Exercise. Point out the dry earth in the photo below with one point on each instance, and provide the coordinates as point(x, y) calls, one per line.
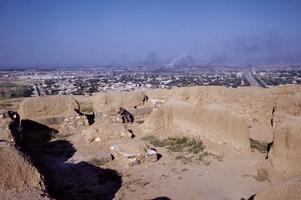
point(210, 143)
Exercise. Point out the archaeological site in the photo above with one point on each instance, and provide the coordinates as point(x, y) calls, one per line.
point(182, 143)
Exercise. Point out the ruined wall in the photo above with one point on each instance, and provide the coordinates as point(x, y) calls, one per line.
point(159, 119)
point(212, 122)
point(48, 110)
point(110, 102)
point(286, 152)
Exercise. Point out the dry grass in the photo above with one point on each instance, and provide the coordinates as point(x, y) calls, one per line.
point(188, 150)
point(177, 144)
point(86, 107)
point(262, 174)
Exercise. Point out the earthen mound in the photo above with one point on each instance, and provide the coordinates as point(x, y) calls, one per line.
point(16, 172)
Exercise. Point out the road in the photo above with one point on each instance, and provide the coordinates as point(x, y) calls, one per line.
point(38, 91)
point(251, 79)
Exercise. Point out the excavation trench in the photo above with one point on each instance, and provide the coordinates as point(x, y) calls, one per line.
point(65, 180)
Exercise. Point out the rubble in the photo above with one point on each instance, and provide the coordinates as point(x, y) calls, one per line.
point(74, 121)
point(134, 153)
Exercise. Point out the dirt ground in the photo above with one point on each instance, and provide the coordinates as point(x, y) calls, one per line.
point(217, 171)
point(74, 177)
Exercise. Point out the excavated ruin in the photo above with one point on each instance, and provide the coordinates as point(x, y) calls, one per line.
point(212, 122)
point(48, 110)
point(286, 152)
point(49, 149)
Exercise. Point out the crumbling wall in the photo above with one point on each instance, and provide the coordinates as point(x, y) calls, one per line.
point(286, 152)
point(48, 110)
point(110, 102)
point(212, 122)
point(160, 119)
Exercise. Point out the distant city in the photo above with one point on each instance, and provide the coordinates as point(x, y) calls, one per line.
point(89, 80)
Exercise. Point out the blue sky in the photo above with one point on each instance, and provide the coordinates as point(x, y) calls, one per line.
point(99, 32)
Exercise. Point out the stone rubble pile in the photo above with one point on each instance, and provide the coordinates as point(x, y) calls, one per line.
point(74, 121)
point(134, 153)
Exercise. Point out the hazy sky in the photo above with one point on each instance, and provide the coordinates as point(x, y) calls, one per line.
point(60, 32)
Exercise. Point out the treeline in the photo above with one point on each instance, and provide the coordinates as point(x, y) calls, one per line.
point(13, 90)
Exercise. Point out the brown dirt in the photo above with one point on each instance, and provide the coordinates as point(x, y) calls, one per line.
point(223, 118)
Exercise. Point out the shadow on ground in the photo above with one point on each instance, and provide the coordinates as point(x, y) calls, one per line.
point(67, 180)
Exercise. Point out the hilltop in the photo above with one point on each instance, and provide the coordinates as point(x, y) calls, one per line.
point(182, 143)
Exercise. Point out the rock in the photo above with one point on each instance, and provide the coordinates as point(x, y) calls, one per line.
point(74, 121)
point(132, 162)
point(151, 155)
point(134, 153)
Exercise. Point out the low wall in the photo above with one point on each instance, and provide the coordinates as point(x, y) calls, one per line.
point(212, 122)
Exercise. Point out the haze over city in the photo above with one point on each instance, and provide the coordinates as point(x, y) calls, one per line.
point(74, 33)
